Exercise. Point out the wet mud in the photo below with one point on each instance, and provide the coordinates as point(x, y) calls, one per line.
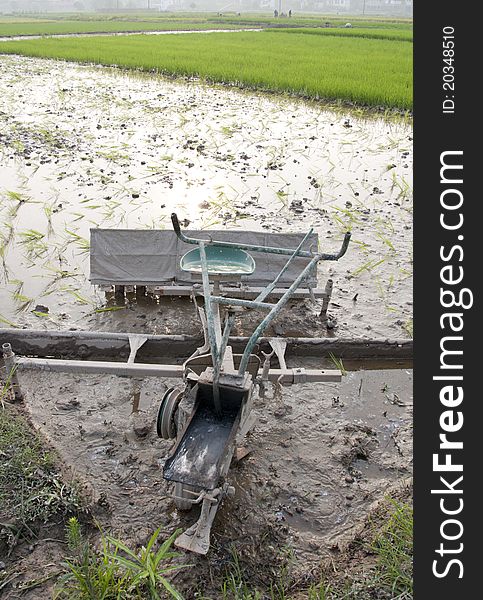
point(309, 472)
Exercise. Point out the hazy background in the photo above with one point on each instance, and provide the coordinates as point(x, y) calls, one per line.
point(356, 7)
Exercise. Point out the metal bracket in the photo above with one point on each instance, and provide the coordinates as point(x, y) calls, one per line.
point(136, 340)
point(299, 375)
point(197, 537)
point(279, 346)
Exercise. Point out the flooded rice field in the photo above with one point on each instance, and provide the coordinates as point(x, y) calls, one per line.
point(84, 147)
point(122, 33)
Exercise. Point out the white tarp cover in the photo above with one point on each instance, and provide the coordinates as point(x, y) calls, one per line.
point(151, 257)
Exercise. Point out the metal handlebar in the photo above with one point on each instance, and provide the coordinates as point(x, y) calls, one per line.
point(314, 259)
point(253, 248)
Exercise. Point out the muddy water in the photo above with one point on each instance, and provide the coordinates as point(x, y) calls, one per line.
point(313, 470)
point(121, 33)
point(83, 147)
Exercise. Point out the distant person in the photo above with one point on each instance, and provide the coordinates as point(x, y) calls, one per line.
point(290, 13)
point(275, 13)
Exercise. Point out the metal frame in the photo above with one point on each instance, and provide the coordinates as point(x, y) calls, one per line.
point(214, 335)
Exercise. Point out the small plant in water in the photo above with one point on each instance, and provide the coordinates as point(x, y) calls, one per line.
point(338, 363)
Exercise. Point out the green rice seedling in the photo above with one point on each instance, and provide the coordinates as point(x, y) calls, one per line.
point(19, 199)
point(360, 32)
point(380, 288)
point(23, 301)
point(8, 322)
point(3, 256)
point(49, 212)
point(79, 298)
point(109, 309)
point(16, 196)
point(386, 241)
point(33, 241)
point(101, 26)
point(18, 283)
point(338, 363)
point(30, 236)
point(82, 243)
point(368, 266)
point(113, 155)
point(402, 185)
point(39, 313)
point(59, 274)
point(409, 328)
point(363, 246)
point(283, 197)
point(406, 273)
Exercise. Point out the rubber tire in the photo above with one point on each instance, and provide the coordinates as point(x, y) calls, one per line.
point(161, 431)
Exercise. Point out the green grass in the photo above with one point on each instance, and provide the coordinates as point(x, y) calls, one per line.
point(114, 571)
point(31, 489)
point(393, 547)
point(353, 70)
point(382, 559)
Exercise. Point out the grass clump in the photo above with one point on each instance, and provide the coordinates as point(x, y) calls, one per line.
point(31, 488)
point(383, 556)
point(393, 547)
point(376, 565)
point(115, 571)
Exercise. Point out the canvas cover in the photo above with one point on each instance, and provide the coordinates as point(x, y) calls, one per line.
point(152, 257)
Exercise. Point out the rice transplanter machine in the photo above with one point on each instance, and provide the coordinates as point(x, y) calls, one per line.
point(210, 414)
point(213, 410)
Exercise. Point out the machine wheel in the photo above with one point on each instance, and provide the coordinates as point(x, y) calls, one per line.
point(182, 493)
point(165, 423)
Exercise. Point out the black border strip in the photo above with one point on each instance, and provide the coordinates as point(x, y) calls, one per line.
point(436, 132)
